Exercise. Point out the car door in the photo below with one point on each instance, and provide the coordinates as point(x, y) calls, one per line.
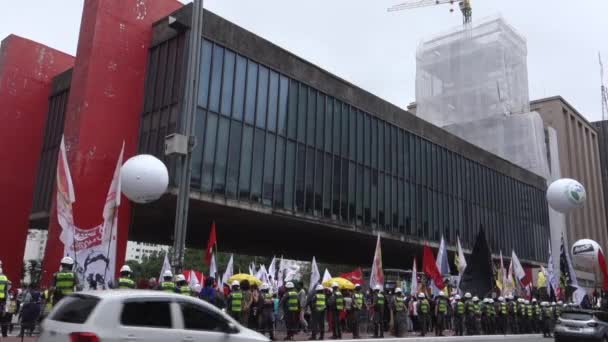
point(202, 324)
point(147, 319)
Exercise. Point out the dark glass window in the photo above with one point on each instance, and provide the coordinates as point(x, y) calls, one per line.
point(327, 172)
point(292, 120)
point(366, 139)
point(216, 78)
point(336, 127)
point(359, 194)
point(197, 153)
point(374, 196)
point(336, 191)
point(310, 172)
point(381, 206)
point(374, 144)
point(359, 137)
point(320, 120)
point(318, 179)
point(205, 73)
point(245, 169)
point(283, 92)
point(75, 309)
point(387, 148)
point(273, 97)
point(219, 174)
point(344, 194)
point(344, 123)
point(234, 156)
point(262, 101)
point(300, 177)
point(151, 314)
point(227, 82)
point(252, 82)
point(310, 117)
point(352, 131)
point(258, 165)
point(198, 318)
point(302, 97)
point(268, 169)
point(239, 87)
point(394, 202)
point(394, 147)
point(290, 164)
point(279, 183)
point(367, 212)
point(351, 192)
point(209, 154)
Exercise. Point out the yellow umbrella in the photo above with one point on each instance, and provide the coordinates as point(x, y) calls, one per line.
point(244, 276)
point(344, 284)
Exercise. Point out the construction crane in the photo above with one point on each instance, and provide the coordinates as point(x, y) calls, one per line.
point(465, 7)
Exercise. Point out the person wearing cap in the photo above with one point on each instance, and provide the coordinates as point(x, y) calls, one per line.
point(318, 306)
point(335, 305)
point(235, 302)
point(459, 312)
point(125, 281)
point(167, 284)
point(358, 301)
point(424, 312)
point(65, 281)
point(399, 310)
point(291, 308)
point(266, 317)
point(441, 312)
point(378, 302)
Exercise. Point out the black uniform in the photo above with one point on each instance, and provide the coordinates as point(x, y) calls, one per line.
point(266, 325)
point(459, 320)
point(399, 314)
point(318, 306)
point(378, 304)
point(357, 308)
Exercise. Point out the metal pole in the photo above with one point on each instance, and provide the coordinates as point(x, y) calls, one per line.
point(187, 129)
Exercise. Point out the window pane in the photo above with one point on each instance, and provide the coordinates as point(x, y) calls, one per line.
point(273, 97)
point(344, 195)
point(380, 200)
point(374, 197)
point(336, 189)
point(245, 168)
point(239, 88)
point(352, 131)
point(290, 164)
point(227, 82)
point(337, 116)
point(262, 101)
point(234, 156)
point(300, 177)
point(344, 139)
point(367, 139)
point(400, 153)
point(197, 153)
point(310, 118)
point(374, 136)
point(198, 318)
point(327, 172)
point(302, 97)
point(318, 179)
point(258, 165)
point(381, 148)
point(268, 169)
point(395, 203)
point(146, 314)
point(252, 82)
point(320, 119)
point(359, 137)
point(367, 212)
point(310, 169)
point(279, 183)
point(75, 309)
point(351, 192)
point(205, 73)
point(328, 122)
point(359, 194)
point(292, 117)
point(283, 91)
point(394, 147)
point(219, 178)
point(216, 78)
point(209, 154)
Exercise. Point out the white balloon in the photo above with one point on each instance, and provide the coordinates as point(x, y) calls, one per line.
point(144, 178)
point(585, 256)
point(566, 194)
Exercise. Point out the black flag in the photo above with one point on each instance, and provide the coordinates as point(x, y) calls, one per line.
point(567, 279)
point(478, 277)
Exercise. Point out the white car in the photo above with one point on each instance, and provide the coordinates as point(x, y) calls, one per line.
point(139, 315)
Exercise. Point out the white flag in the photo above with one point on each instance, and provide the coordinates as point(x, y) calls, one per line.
point(272, 270)
point(314, 274)
point(461, 261)
point(193, 281)
point(263, 274)
point(377, 275)
point(518, 270)
point(326, 276)
point(281, 273)
point(213, 266)
point(414, 286)
point(166, 267)
point(442, 259)
point(64, 199)
point(251, 269)
point(229, 271)
point(551, 277)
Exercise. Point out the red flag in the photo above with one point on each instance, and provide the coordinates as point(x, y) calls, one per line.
point(429, 267)
point(210, 244)
point(602, 262)
point(355, 277)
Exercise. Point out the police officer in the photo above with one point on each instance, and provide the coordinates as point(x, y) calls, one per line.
point(291, 308)
point(529, 317)
point(181, 285)
point(547, 318)
point(477, 317)
point(336, 306)
point(167, 284)
point(459, 312)
point(441, 312)
point(537, 316)
point(358, 302)
point(318, 306)
point(266, 325)
point(469, 311)
point(512, 318)
point(399, 312)
point(378, 302)
point(125, 281)
point(424, 311)
point(64, 281)
point(235, 302)
point(4, 316)
point(491, 311)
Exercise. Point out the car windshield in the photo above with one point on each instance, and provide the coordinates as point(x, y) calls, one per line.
point(576, 316)
point(75, 309)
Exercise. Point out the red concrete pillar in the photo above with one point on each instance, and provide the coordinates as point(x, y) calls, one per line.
point(26, 72)
point(104, 107)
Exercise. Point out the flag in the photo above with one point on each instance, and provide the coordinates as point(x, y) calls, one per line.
point(510, 282)
point(461, 262)
point(272, 269)
point(478, 277)
point(377, 275)
point(166, 267)
point(326, 276)
point(414, 286)
point(518, 270)
point(500, 276)
point(64, 199)
point(429, 267)
point(229, 271)
point(314, 274)
point(213, 267)
point(552, 278)
point(442, 259)
point(281, 273)
point(262, 274)
point(251, 269)
point(602, 264)
point(355, 277)
point(568, 280)
point(193, 280)
point(212, 242)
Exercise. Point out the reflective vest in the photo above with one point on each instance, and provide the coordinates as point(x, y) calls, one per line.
point(459, 308)
point(529, 310)
point(167, 286)
point(268, 301)
point(237, 301)
point(126, 283)
point(477, 309)
point(470, 307)
point(537, 311)
point(399, 303)
point(504, 309)
point(339, 301)
point(292, 301)
point(3, 286)
point(424, 306)
point(379, 299)
point(358, 302)
point(490, 311)
point(320, 302)
point(185, 290)
point(547, 312)
point(522, 309)
point(64, 282)
point(442, 306)
point(558, 311)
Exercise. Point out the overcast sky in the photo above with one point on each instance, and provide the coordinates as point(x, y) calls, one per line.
point(359, 41)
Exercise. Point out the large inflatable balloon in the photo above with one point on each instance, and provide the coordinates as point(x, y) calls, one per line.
point(144, 178)
point(585, 256)
point(566, 194)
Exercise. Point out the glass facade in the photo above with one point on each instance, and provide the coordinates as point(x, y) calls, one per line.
point(273, 140)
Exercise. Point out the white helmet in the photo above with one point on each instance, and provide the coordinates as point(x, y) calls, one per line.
point(398, 290)
point(457, 297)
point(485, 300)
point(527, 302)
point(319, 288)
point(501, 299)
point(377, 288)
point(559, 302)
point(235, 283)
point(67, 261)
point(510, 297)
point(553, 303)
point(467, 295)
point(421, 295)
point(533, 300)
point(180, 277)
point(490, 300)
point(168, 274)
point(544, 304)
point(125, 268)
point(476, 299)
point(197, 288)
point(357, 286)
point(264, 287)
point(289, 285)
point(334, 285)
point(441, 294)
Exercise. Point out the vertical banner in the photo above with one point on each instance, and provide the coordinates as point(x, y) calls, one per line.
point(377, 276)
